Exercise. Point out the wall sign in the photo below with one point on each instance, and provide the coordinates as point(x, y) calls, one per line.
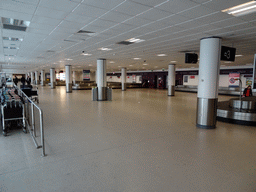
point(228, 53)
point(86, 75)
point(234, 79)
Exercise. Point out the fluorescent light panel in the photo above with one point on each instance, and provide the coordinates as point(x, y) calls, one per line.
point(105, 49)
point(242, 9)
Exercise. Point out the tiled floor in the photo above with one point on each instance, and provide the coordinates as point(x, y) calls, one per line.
point(142, 141)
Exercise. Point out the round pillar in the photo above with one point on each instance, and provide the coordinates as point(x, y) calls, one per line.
point(36, 77)
point(68, 69)
point(42, 78)
point(123, 76)
point(171, 80)
point(207, 96)
point(32, 77)
point(53, 78)
point(101, 79)
point(74, 77)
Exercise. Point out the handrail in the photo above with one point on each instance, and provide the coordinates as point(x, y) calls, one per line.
point(33, 121)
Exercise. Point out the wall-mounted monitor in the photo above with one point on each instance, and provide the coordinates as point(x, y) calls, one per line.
point(191, 58)
point(228, 53)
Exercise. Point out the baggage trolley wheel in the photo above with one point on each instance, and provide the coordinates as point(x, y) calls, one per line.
point(24, 130)
point(4, 133)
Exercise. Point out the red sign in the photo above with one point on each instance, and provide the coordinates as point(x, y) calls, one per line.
point(192, 77)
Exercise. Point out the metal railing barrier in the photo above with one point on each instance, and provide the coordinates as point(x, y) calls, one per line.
point(31, 127)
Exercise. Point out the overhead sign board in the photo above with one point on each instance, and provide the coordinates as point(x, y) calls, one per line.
point(228, 53)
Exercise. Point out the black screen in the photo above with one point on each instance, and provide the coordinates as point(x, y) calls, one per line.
point(191, 58)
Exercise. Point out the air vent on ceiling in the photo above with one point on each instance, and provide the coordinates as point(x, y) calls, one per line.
point(12, 39)
point(83, 31)
point(15, 24)
point(125, 43)
point(87, 33)
point(11, 48)
point(69, 40)
point(130, 41)
point(50, 51)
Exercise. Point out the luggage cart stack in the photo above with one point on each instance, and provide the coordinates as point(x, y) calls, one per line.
point(12, 110)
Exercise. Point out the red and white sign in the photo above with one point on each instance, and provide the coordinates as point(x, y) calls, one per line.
point(234, 79)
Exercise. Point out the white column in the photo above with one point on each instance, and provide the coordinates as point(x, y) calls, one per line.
point(207, 96)
point(74, 77)
point(53, 78)
point(36, 77)
point(101, 79)
point(32, 77)
point(68, 69)
point(171, 80)
point(123, 76)
point(42, 77)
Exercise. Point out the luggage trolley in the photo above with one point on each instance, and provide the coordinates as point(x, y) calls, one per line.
point(12, 110)
point(31, 93)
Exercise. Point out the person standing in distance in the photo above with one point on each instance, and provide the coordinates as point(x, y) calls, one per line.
point(247, 91)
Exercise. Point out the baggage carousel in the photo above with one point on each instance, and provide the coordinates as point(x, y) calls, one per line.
point(238, 111)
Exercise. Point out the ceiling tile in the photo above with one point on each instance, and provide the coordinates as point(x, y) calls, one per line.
point(60, 5)
point(90, 11)
point(155, 14)
point(176, 6)
point(39, 31)
point(131, 8)
point(74, 25)
point(103, 23)
point(137, 21)
point(32, 2)
point(115, 16)
point(41, 26)
point(216, 17)
point(197, 11)
point(104, 4)
point(123, 28)
point(19, 7)
point(249, 17)
point(79, 19)
point(50, 13)
point(45, 20)
point(13, 33)
point(220, 4)
point(15, 15)
point(228, 22)
point(150, 3)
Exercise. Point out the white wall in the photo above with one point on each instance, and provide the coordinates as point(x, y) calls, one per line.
point(129, 79)
point(223, 80)
point(191, 81)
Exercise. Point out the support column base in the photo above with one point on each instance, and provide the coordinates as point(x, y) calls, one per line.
point(206, 113)
point(171, 90)
point(69, 88)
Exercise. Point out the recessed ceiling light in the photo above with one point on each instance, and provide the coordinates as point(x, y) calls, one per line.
point(134, 40)
point(130, 65)
point(161, 55)
point(90, 64)
point(239, 55)
point(105, 49)
point(111, 62)
point(136, 58)
point(86, 54)
point(242, 9)
point(173, 61)
point(69, 59)
point(145, 64)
